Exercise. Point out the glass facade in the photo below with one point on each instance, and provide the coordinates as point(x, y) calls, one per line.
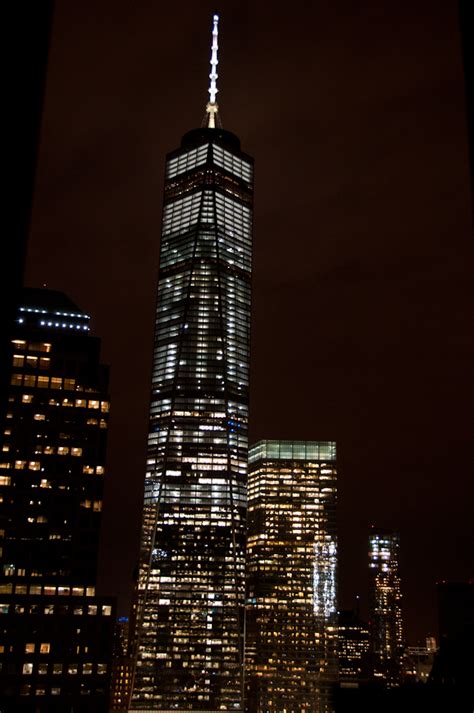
point(190, 601)
point(385, 614)
point(291, 577)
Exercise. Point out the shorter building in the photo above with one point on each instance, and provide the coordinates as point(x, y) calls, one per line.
point(385, 613)
point(56, 651)
point(353, 648)
point(291, 657)
point(122, 667)
point(418, 662)
point(454, 661)
point(55, 632)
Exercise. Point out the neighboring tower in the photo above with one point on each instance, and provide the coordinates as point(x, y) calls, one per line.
point(353, 649)
point(385, 614)
point(291, 574)
point(190, 607)
point(55, 633)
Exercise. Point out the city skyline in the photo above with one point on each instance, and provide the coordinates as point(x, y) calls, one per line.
point(352, 316)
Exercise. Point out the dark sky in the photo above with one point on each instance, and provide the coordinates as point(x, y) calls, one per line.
point(363, 292)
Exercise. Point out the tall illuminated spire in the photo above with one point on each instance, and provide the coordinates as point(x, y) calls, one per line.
point(212, 106)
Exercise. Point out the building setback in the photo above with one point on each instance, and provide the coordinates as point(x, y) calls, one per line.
point(291, 574)
point(385, 612)
point(55, 633)
point(191, 591)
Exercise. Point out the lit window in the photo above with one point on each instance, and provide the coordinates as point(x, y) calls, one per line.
point(56, 382)
point(97, 507)
point(5, 480)
point(105, 406)
point(27, 398)
point(57, 668)
point(34, 465)
point(73, 668)
point(18, 360)
point(39, 417)
point(43, 382)
point(63, 450)
point(100, 470)
point(45, 648)
point(76, 451)
point(92, 609)
point(94, 404)
point(19, 464)
point(88, 469)
point(27, 668)
point(29, 648)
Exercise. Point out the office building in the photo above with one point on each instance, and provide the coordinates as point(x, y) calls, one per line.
point(55, 633)
point(190, 604)
point(122, 667)
point(385, 612)
point(353, 648)
point(291, 644)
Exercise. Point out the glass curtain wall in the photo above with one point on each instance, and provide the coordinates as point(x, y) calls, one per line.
point(190, 604)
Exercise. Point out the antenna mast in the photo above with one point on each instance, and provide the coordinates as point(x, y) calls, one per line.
point(212, 107)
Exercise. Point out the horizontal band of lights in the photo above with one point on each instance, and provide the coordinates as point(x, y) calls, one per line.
point(293, 450)
point(59, 314)
point(213, 156)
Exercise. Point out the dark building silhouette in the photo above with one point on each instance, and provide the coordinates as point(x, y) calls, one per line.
point(291, 645)
point(28, 29)
point(55, 633)
point(352, 648)
point(385, 613)
point(466, 26)
point(191, 587)
point(454, 662)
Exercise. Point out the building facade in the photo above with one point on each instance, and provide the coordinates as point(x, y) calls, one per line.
point(353, 648)
point(385, 611)
point(55, 633)
point(191, 592)
point(291, 645)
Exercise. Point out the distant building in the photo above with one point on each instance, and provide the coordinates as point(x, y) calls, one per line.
point(55, 633)
point(291, 569)
point(122, 667)
point(418, 661)
point(353, 648)
point(385, 613)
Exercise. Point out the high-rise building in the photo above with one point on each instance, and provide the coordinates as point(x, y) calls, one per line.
point(55, 633)
point(291, 574)
point(385, 612)
point(191, 585)
point(122, 667)
point(353, 648)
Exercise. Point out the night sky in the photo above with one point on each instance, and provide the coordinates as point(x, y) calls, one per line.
point(363, 248)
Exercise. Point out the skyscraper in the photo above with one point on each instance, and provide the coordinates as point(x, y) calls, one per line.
point(190, 603)
point(353, 648)
point(291, 570)
point(55, 633)
point(385, 613)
